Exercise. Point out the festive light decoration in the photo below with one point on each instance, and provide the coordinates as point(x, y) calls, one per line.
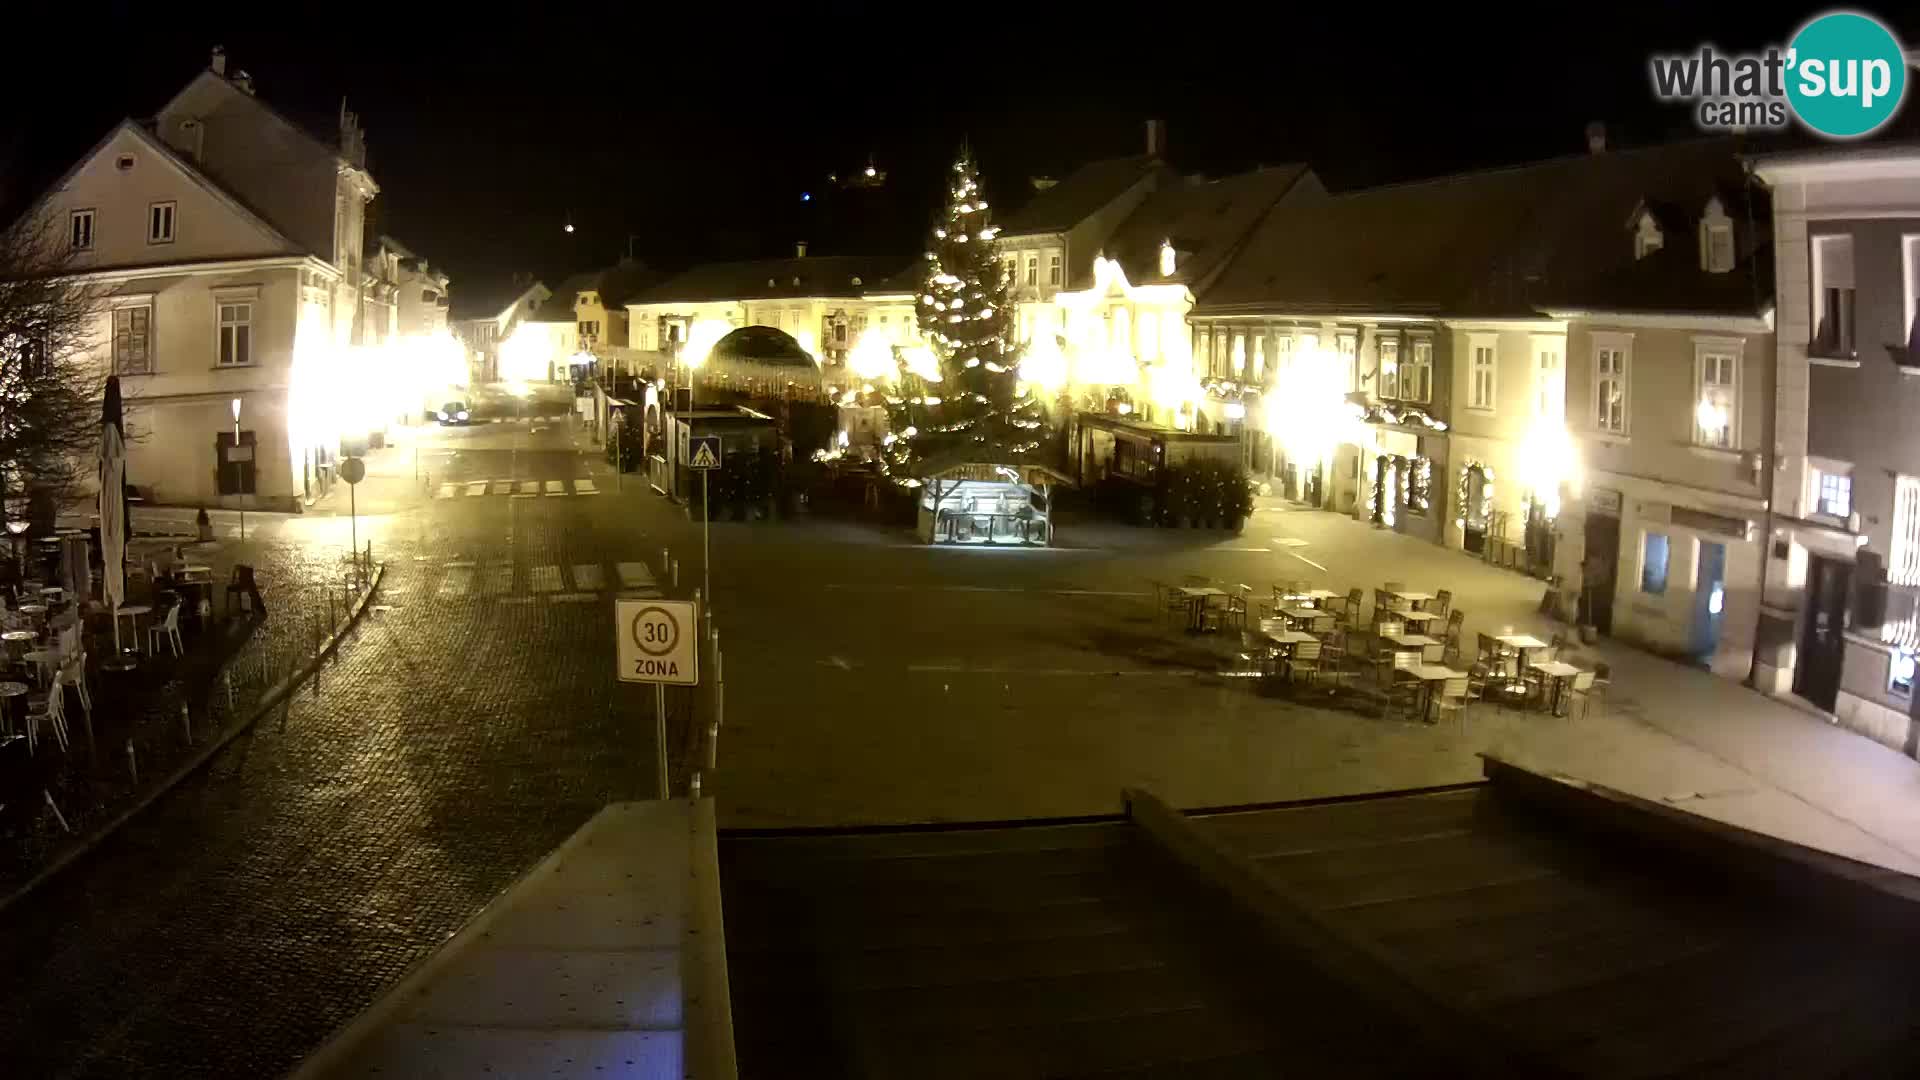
point(965, 317)
point(1547, 460)
point(1463, 493)
point(872, 357)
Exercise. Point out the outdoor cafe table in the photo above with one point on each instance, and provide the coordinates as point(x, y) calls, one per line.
point(1415, 598)
point(1521, 644)
point(9, 691)
point(1431, 676)
point(1197, 597)
point(1420, 617)
point(1412, 642)
point(1303, 614)
point(1558, 671)
point(1317, 595)
point(1287, 639)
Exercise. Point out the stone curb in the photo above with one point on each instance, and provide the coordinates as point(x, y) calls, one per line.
point(270, 698)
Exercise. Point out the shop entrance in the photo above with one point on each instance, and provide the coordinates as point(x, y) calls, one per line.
point(1816, 676)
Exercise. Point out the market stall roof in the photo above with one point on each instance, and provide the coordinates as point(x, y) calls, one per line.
point(962, 465)
point(1145, 429)
point(761, 352)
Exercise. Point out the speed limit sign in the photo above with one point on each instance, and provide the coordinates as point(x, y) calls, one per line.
point(655, 642)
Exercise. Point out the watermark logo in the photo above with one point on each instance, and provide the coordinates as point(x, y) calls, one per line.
point(1843, 75)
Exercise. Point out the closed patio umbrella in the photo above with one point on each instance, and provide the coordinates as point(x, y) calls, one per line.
point(113, 507)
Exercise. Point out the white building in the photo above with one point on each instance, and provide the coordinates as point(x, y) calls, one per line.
point(228, 241)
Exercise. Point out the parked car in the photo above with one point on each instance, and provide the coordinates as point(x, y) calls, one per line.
point(454, 412)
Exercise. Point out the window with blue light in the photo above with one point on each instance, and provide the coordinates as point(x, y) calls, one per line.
point(1900, 673)
point(1653, 564)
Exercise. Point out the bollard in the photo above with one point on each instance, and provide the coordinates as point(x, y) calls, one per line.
point(133, 763)
point(676, 573)
point(227, 678)
point(329, 607)
point(186, 722)
point(693, 787)
point(713, 744)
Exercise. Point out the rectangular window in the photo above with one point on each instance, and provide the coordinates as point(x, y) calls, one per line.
point(1719, 248)
point(1900, 673)
point(1910, 259)
point(1481, 392)
point(1282, 356)
point(1833, 493)
point(1833, 296)
point(1239, 355)
point(1347, 348)
point(236, 335)
point(80, 230)
point(1416, 374)
point(1010, 266)
point(1260, 356)
point(1033, 269)
point(1387, 366)
point(1549, 382)
point(133, 340)
point(1053, 268)
point(1716, 405)
point(160, 223)
point(1610, 386)
point(1903, 563)
point(1653, 564)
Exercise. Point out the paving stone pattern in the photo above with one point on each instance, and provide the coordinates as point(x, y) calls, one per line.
point(231, 927)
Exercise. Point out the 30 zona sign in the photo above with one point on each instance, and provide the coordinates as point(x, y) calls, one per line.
point(654, 641)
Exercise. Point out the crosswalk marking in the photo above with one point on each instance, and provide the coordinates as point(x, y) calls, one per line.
point(584, 486)
point(476, 487)
point(634, 575)
point(458, 581)
point(499, 580)
point(543, 578)
point(446, 491)
point(554, 487)
point(529, 487)
point(587, 576)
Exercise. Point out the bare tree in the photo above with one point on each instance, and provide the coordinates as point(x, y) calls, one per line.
point(50, 382)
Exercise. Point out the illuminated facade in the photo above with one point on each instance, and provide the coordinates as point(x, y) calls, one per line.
point(1841, 623)
point(229, 242)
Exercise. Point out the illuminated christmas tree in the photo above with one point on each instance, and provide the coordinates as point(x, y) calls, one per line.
point(974, 404)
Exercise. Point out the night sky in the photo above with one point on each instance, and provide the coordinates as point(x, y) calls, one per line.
point(696, 138)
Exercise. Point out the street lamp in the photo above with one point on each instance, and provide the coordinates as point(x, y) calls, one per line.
point(234, 455)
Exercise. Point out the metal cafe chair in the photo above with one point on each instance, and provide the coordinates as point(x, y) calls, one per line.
point(1582, 688)
point(1452, 698)
point(1304, 658)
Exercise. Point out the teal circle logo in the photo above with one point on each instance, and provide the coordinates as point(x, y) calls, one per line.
point(1846, 74)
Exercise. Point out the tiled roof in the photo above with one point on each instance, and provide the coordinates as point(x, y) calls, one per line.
point(1204, 220)
point(1083, 192)
point(756, 279)
point(1509, 242)
point(617, 285)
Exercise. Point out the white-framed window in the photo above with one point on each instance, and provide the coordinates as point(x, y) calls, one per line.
point(1011, 265)
point(1903, 562)
point(1832, 493)
point(236, 333)
point(1654, 552)
point(1282, 355)
point(1716, 238)
point(133, 339)
point(1647, 237)
point(1053, 268)
point(1416, 372)
point(160, 223)
point(1833, 292)
point(1260, 356)
point(1386, 358)
point(1483, 385)
point(1612, 358)
point(80, 230)
point(1346, 347)
point(1033, 269)
point(1549, 379)
point(1238, 358)
point(1910, 275)
point(1716, 398)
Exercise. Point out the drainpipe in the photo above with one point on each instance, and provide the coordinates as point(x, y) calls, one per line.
point(1767, 458)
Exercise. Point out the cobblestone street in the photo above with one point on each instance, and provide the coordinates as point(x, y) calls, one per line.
point(473, 721)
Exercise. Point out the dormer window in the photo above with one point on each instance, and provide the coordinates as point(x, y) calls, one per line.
point(1647, 237)
point(1166, 258)
point(1716, 238)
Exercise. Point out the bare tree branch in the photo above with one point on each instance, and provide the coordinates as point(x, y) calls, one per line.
point(50, 383)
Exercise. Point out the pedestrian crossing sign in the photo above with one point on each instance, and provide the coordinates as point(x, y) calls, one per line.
point(703, 452)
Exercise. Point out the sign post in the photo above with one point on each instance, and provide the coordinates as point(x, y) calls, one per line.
point(654, 642)
point(353, 470)
point(703, 454)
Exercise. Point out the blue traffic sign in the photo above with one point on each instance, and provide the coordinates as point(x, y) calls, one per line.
point(703, 451)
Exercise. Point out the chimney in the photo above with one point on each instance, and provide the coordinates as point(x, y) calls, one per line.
point(1596, 138)
point(244, 81)
point(800, 249)
point(1156, 139)
point(219, 64)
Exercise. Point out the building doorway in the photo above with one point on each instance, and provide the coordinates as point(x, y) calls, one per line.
point(1597, 572)
point(1709, 599)
point(1816, 676)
